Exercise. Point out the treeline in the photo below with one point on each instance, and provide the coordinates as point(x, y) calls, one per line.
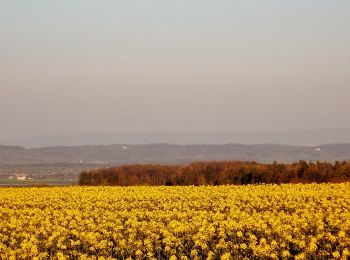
point(218, 173)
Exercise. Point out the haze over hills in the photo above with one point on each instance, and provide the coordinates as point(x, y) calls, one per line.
point(169, 153)
point(289, 137)
point(179, 147)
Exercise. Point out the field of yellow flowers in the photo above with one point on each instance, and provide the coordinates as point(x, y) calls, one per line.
point(228, 222)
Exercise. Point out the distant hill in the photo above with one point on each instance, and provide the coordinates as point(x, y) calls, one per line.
point(174, 154)
point(290, 137)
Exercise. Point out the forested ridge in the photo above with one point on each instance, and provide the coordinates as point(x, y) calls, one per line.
point(120, 154)
point(218, 173)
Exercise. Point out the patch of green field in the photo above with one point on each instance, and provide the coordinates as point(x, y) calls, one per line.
point(8, 182)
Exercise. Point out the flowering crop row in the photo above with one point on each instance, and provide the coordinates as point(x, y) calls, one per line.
point(228, 222)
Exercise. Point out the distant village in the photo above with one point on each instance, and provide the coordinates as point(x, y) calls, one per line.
point(68, 172)
point(20, 177)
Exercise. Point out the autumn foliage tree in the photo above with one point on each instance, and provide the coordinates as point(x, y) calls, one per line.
point(218, 173)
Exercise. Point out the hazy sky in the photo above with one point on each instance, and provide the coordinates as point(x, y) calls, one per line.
point(109, 66)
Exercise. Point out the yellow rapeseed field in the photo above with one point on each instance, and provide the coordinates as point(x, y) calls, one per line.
point(228, 222)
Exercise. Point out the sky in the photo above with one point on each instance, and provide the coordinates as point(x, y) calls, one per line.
point(87, 66)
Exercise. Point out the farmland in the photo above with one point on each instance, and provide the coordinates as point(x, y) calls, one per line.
point(213, 222)
point(42, 174)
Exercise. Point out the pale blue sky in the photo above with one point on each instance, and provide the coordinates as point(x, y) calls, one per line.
point(109, 66)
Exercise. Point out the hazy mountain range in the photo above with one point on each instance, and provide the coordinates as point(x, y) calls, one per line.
point(168, 153)
point(179, 147)
point(296, 137)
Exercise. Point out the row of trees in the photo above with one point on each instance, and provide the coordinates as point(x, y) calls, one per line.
point(218, 173)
